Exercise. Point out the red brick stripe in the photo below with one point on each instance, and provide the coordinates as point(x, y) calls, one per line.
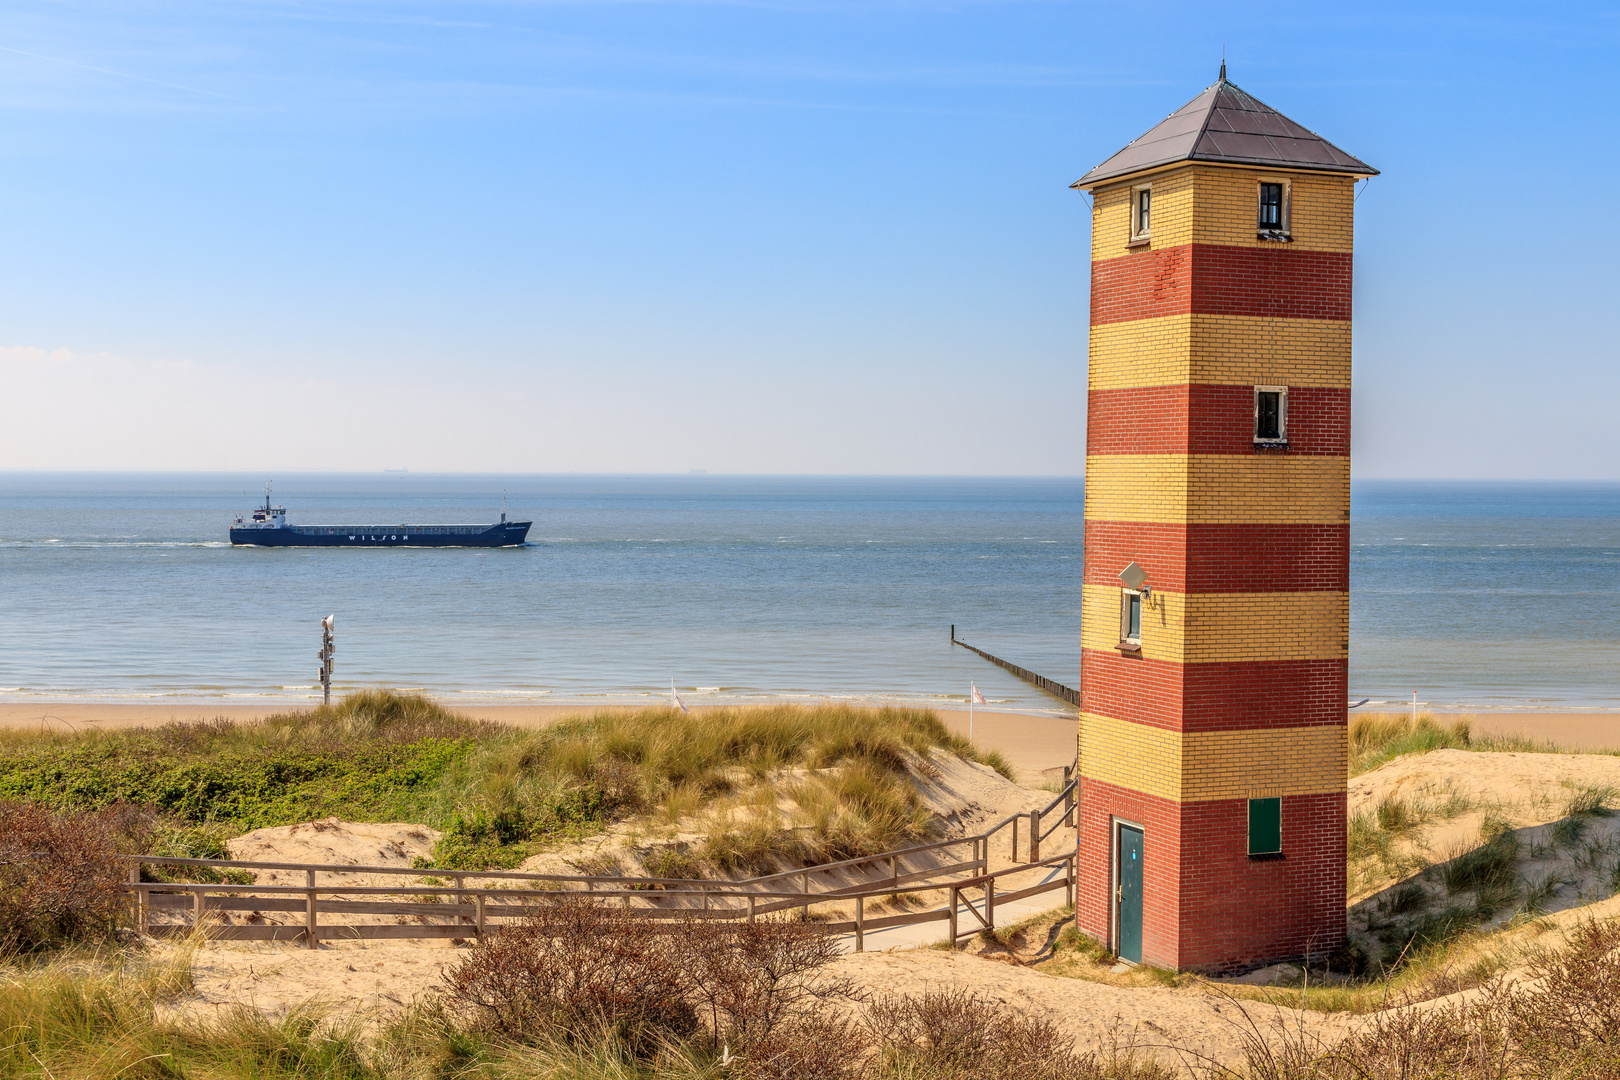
point(1203, 419)
point(1213, 697)
point(1238, 913)
point(1274, 282)
point(1221, 558)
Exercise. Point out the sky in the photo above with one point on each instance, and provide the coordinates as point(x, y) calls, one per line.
point(831, 238)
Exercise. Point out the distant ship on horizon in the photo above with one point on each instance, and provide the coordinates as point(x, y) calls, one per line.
point(268, 527)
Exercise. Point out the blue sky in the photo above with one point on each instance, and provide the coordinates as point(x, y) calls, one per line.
point(750, 237)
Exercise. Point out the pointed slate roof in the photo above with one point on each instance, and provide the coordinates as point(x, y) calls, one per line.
point(1224, 124)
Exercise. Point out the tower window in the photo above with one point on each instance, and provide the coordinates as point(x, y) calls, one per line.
point(1265, 826)
point(1273, 207)
point(1130, 617)
point(1142, 212)
point(1271, 414)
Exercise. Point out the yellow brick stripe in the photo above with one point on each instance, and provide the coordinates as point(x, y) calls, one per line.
point(1205, 766)
point(1204, 489)
point(1134, 756)
point(1208, 628)
point(1220, 350)
point(1215, 205)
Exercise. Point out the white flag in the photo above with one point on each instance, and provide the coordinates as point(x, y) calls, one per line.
point(678, 703)
point(976, 697)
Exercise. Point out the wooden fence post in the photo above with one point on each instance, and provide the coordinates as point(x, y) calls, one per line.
point(1034, 836)
point(199, 905)
point(139, 899)
point(1069, 801)
point(750, 907)
point(990, 903)
point(956, 893)
point(1068, 880)
point(1015, 838)
point(478, 904)
point(311, 934)
point(860, 924)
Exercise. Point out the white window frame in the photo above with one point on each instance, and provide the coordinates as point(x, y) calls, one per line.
point(1136, 195)
point(1282, 416)
point(1287, 200)
point(1125, 596)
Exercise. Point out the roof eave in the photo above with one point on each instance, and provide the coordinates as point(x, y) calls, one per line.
point(1090, 182)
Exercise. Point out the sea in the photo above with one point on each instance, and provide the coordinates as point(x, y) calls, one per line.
point(124, 588)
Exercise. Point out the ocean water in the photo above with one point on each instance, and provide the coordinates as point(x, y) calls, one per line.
point(124, 588)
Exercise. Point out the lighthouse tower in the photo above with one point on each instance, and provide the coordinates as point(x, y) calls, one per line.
point(1215, 618)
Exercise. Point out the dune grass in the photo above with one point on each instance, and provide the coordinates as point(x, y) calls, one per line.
point(1376, 738)
point(498, 792)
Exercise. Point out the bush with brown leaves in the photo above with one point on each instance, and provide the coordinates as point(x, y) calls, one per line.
point(957, 1035)
point(1560, 1021)
point(61, 879)
point(574, 969)
point(748, 979)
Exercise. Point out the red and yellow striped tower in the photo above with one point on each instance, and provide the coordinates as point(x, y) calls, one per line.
point(1215, 619)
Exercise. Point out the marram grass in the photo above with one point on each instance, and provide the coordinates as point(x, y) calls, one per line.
point(497, 791)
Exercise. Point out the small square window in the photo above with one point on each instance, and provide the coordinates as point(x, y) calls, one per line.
point(1271, 414)
point(1130, 617)
point(1273, 216)
point(1141, 212)
point(1265, 826)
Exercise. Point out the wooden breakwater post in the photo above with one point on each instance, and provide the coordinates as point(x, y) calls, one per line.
point(1040, 682)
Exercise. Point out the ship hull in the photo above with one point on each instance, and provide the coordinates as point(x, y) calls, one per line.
point(501, 534)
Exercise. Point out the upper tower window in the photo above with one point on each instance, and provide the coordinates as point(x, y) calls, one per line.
point(1142, 212)
point(1273, 216)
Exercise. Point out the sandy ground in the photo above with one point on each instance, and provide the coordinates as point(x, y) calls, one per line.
point(1578, 731)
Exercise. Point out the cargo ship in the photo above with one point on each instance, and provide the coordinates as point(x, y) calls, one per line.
point(268, 527)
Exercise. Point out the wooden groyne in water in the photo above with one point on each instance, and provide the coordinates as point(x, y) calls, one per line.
point(1040, 682)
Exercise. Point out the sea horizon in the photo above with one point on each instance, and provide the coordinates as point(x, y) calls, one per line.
point(123, 588)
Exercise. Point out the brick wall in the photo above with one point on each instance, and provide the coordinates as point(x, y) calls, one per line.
point(1238, 688)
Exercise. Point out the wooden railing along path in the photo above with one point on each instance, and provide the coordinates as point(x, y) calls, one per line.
point(477, 901)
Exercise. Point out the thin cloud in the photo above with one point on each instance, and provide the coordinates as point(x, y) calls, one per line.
point(117, 74)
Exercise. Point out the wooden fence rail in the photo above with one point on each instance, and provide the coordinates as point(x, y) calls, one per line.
point(476, 902)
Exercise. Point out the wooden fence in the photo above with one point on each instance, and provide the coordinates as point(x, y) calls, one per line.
point(1040, 682)
point(477, 902)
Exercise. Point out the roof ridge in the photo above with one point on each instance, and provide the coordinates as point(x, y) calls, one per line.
point(1209, 112)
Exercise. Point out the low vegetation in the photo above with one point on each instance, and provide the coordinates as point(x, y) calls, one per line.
point(498, 793)
point(581, 991)
point(584, 993)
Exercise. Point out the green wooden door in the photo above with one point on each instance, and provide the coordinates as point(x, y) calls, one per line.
point(1130, 894)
